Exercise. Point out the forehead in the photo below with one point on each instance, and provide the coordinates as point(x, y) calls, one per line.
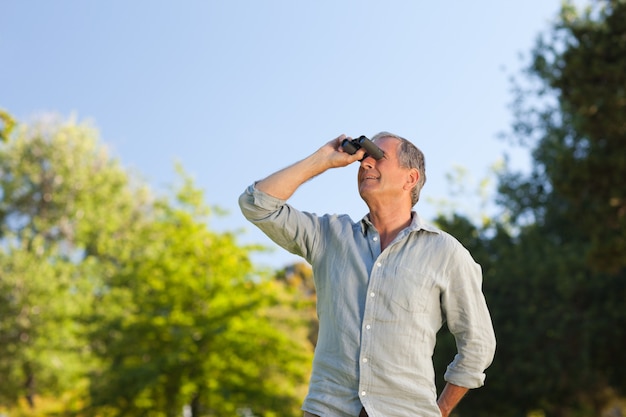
point(388, 144)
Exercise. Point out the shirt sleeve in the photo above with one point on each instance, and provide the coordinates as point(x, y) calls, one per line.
point(289, 228)
point(469, 321)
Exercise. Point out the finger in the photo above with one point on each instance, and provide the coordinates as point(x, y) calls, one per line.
point(361, 154)
point(339, 140)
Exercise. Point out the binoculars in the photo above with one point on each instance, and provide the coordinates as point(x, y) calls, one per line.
point(351, 146)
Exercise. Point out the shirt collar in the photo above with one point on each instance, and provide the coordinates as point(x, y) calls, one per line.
point(416, 224)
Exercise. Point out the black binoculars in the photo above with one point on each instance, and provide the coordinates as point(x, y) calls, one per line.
point(351, 146)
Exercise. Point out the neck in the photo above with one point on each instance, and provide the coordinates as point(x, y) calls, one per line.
point(389, 222)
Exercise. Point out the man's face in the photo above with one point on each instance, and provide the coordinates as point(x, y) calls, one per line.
point(384, 180)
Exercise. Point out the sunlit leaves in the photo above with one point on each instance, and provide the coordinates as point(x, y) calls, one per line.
point(103, 283)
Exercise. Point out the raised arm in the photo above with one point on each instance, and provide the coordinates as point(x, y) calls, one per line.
point(284, 183)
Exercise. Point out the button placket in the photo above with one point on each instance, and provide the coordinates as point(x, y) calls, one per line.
point(369, 315)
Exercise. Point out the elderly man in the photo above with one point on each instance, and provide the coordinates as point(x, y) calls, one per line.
point(385, 285)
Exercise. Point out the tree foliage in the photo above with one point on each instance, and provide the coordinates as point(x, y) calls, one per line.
point(202, 325)
point(298, 279)
point(7, 123)
point(120, 302)
point(576, 117)
point(555, 274)
point(57, 186)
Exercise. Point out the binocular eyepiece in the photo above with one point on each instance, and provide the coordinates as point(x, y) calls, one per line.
point(351, 146)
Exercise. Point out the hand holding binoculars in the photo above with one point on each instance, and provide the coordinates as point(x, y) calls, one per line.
point(351, 146)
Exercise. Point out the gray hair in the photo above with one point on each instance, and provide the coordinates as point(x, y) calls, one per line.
point(409, 156)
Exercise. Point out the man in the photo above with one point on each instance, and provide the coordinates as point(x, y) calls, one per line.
point(384, 286)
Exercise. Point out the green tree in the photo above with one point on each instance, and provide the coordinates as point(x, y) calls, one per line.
point(298, 279)
point(7, 123)
point(576, 117)
point(118, 302)
point(555, 276)
point(188, 321)
point(60, 194)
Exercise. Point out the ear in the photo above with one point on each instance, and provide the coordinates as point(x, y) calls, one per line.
point(412, 178)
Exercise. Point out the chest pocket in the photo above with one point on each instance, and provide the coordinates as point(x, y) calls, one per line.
point(412, 290)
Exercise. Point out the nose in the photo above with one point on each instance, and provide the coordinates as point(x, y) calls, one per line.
point(367, 162)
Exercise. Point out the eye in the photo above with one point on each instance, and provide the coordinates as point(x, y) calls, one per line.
point(367, 155)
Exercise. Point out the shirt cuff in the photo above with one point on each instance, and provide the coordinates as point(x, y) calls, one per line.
point(264, 200)
point(463, 378)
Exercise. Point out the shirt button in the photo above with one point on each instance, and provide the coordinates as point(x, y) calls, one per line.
point(372, 294)
point(379, 264)
point(363, 393)
point(364, 360)
point(375, 239)
point(368, 327)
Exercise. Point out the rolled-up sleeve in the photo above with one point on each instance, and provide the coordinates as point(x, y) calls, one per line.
point(469, 321)
point(289, 228)
point(257, 205)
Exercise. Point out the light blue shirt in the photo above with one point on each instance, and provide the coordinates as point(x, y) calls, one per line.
point(379, 312)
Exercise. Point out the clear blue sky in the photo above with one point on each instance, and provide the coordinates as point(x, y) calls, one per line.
point(235, 90)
